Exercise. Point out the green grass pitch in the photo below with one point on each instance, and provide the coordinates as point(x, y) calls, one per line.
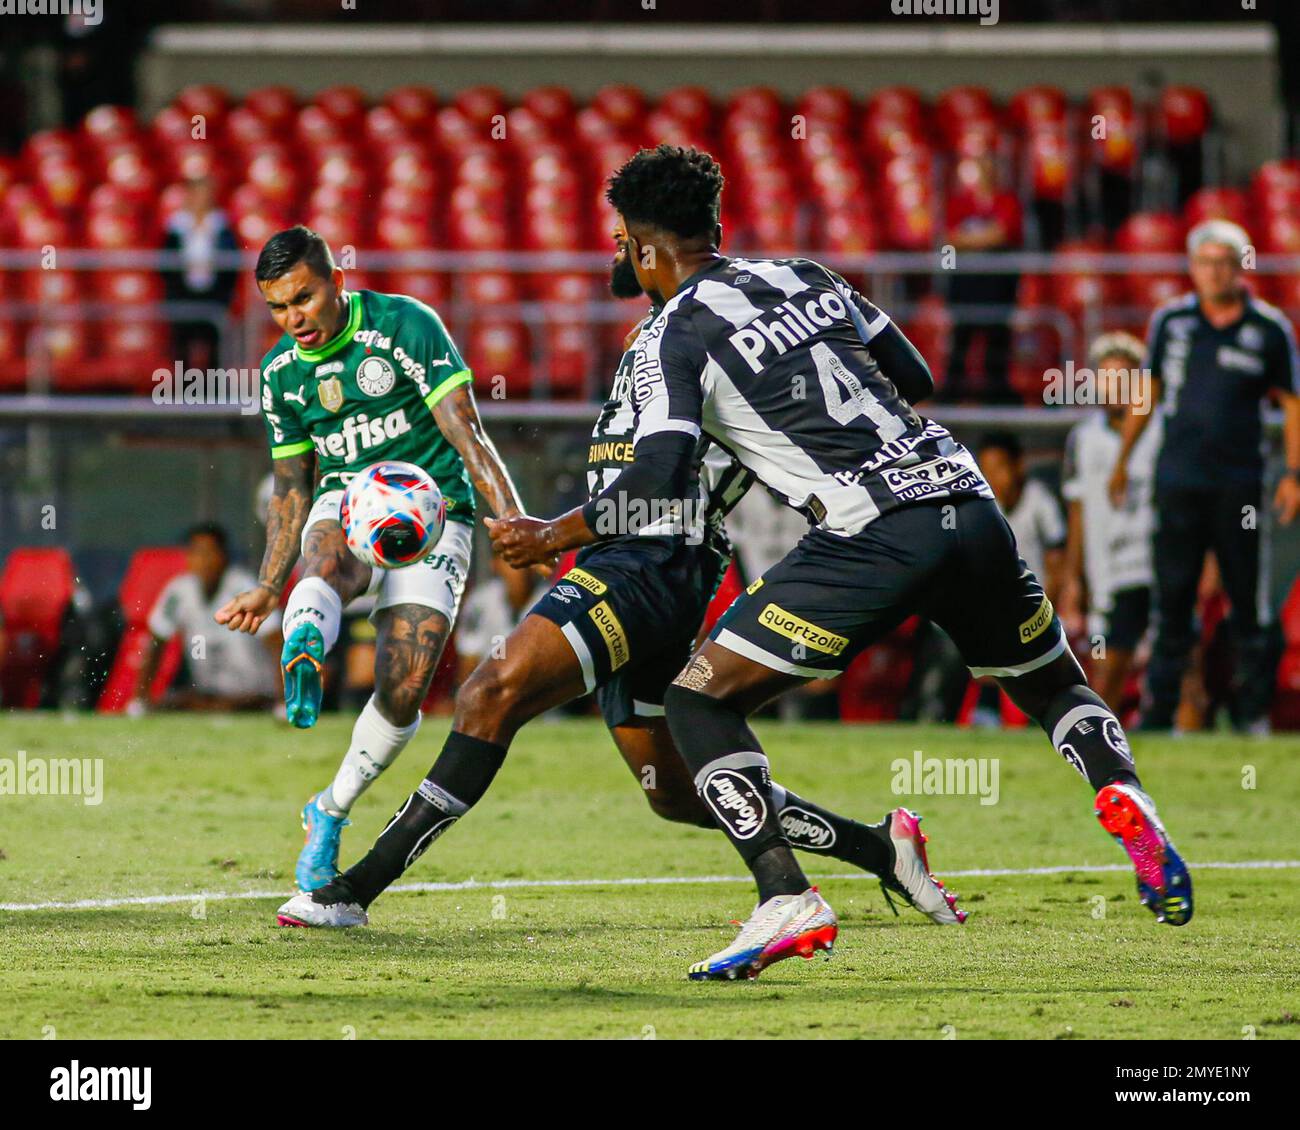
point(199, 804)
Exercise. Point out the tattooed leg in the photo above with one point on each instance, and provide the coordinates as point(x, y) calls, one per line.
point(409, 645)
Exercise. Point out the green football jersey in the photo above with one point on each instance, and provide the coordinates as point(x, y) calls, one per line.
point(368, 395)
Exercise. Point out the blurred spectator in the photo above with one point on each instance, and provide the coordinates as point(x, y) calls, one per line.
point(982, 216)
point(199, 230)
point(490, 612)
point(1108, 550)
point(1031, 509)
point(228, 670)
point(1214, 355)
point(1036, 520)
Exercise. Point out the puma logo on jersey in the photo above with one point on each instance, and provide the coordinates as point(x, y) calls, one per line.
point(361, 433)
point(786, 326)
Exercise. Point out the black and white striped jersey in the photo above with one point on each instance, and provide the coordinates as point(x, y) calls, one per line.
point(772, 359)
point(718, 481)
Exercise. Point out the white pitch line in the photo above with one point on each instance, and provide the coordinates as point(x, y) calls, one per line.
point(648, 881)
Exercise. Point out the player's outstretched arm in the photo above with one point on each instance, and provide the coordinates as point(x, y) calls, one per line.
point(286, 516)
point(457, 417)
point(654, 484)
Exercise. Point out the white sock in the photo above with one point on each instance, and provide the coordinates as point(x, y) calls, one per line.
point(314, 601)
point(376, 742)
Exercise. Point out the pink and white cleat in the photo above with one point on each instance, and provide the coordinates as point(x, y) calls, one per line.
point(911, 872)
point(784, 926)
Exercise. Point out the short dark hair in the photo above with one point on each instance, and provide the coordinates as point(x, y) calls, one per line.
point(286, 249)
point(668, 187)
point(211, 530)
point(1005, 441)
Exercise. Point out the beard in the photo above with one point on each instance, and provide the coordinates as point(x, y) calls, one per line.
point(622, 278)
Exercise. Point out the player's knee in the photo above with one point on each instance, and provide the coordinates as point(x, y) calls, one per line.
point(490, 692)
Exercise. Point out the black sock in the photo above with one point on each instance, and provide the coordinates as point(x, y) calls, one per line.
point(777, 872)
point(731, 775)
point(1087, 734)
point(809, 827)
point(457, 781)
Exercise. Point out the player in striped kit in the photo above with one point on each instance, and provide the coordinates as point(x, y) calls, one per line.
point(811, 387)
point(623, 622)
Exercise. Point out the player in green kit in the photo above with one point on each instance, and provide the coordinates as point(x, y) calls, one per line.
point(359, 377)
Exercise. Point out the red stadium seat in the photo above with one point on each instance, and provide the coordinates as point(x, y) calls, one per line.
point(428, 286)
point(499, 347)
point(314, 125)
point(105, 124)
point(415, 105)
point(482, 289)
point(13, 365)
point(206, 99)
point(128, 288)
point(244, 126)
point(570, 360)
point(273, 104)
point(1217, 204)
point(1184, 114)
point(131, 352)
point(828, 108)
point(1036, 106)
point(1150, 231)
point(553, 104)
point(345, 104)
point(621, 104)
point(50, 143)
point(480, 104)
point(63, 183)
point(36, 587)
point(690, 105)
point(1047, 151)
point(1076, 288)
point(146, 576)
point(385, 127)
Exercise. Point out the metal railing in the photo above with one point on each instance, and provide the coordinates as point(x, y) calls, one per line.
point(894, 279)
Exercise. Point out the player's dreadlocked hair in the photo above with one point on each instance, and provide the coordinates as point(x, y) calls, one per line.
point(286, 249)
point(669, 187)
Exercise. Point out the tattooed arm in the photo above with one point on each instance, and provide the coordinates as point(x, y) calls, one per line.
point(457, 417)
point(286, 516)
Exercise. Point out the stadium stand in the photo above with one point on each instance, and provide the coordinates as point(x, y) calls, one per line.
point(474, 174)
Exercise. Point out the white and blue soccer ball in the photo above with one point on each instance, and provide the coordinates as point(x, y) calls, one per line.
point(392, 514)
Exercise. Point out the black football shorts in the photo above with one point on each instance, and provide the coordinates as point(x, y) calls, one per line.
point(631, 610)
point(952, 561)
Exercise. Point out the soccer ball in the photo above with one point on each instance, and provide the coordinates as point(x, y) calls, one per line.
point(392, 514)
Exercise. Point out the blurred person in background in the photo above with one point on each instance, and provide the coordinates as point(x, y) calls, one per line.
point(1030, 507)
point(492, 609)
point(1215, 355)
point(1108, 572)
point(228, 671)
point(1035, 517)
point(199, 230)
point(981, 216)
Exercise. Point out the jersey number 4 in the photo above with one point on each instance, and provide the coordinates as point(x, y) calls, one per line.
point(846, 399)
